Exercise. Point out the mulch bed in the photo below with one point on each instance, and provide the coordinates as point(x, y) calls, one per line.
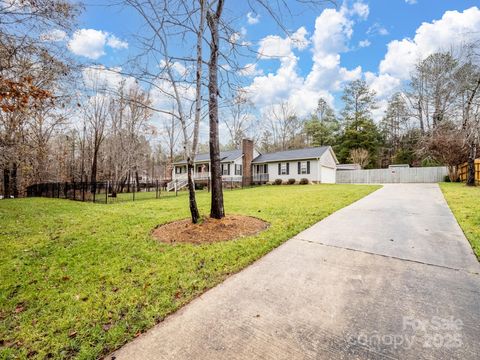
point(209, 230)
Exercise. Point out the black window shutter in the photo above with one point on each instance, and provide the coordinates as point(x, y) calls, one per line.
point(308, 167)
point(288, 168)
point(228, 169)
point(298, 167)
point(265, 169)
point(279, 168)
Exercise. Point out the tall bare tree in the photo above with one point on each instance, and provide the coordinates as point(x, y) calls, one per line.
point(168, 22)
point(96, 113)
point(214, 14)
point(471, 115)
point(239, 119)
point(283, 124)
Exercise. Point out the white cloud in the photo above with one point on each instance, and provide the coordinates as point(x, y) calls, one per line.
point(177, 66)
point(440, 35)
point(377, 29)
point(299, 39)
point(99, 76)
point(411, 2)
point(384, 85)
point(452, 29)
point(54, 35)
point(361, 9)
point(333, 31)
point(253, 19)
point(331, 37)
point(91, 43)
point(239, 37)
point(364, 43)
point(116, 43)
point(250, 70)
point(274, 46)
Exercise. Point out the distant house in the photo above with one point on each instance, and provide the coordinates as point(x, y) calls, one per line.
point(246, 166)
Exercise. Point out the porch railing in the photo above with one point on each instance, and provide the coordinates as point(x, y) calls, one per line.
point(260, 178)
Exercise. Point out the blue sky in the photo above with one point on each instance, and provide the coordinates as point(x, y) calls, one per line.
point(398, 17)
point(378, 40)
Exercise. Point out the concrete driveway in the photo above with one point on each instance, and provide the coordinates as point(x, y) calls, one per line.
point(389, 277)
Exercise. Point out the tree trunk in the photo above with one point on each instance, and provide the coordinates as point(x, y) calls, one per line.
point(217, 209)
point(471, 164)
point(6, 183)
point(198, 111)
point(93, 175)
point(452, 173)
point(14, 180)
point(191, 193)
point(137, 180)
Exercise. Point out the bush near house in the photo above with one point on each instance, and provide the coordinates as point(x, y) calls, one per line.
point(291, 181)
point(277, 182)
point(303, 181)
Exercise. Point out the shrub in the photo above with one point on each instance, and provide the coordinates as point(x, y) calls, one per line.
point(199, 186)
point(277, 182)
point(291, 181)
point(303, 181)
point(446, 178)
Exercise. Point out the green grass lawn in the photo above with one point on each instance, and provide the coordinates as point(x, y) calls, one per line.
point(78, 280)
point(465, 204)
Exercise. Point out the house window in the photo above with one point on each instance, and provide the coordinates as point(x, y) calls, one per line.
point(238, 169)
point(283, 168)
point(304, 167)
point(261, 169)
point(225, 169)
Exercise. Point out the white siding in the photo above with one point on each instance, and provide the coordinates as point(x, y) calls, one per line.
point(328, 175)
point(327, 160)
point(293, 174)
point(238, 161)
point(328, 170)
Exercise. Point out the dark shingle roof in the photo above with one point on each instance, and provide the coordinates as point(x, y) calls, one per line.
point(308, 153)
point(231, 155)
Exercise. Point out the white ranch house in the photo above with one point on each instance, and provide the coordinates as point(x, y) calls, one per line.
point(247, 166)
point(317, 165)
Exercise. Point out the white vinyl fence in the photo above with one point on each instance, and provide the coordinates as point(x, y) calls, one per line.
point(394, 175)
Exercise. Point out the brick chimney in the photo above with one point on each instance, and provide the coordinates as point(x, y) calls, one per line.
point(247, 151)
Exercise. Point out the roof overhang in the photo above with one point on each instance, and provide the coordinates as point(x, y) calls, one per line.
point(184, 162)
point(284, 160)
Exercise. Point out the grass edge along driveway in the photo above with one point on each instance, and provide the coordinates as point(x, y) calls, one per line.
point(464, 201)
point(78, 280)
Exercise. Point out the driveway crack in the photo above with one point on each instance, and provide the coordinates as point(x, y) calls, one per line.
point(388, 256)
